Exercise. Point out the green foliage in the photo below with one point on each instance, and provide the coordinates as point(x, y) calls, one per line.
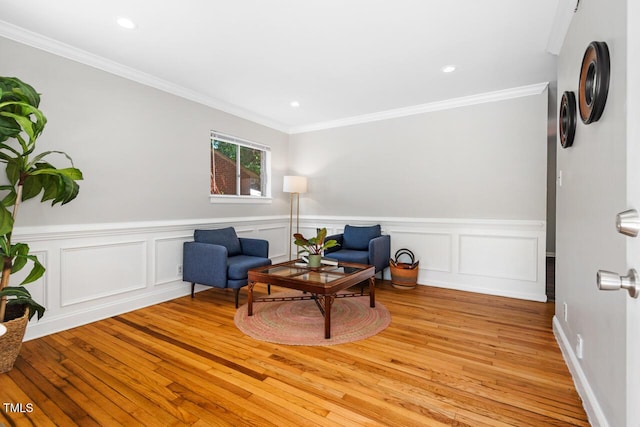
point(250, 158)
point(28, 175)
point(315, 245)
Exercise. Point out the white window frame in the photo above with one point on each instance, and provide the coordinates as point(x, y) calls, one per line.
point(265, 171)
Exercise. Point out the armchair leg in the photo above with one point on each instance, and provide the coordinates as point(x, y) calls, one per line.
point(193, 287)
point(237, 292)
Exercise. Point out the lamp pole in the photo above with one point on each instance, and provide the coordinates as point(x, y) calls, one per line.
point(294, 185)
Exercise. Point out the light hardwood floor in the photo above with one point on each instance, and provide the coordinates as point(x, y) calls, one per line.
point(448, 358)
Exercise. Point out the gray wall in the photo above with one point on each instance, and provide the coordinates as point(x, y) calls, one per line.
point(593, 191)
point(144, 153)
point(485, 161)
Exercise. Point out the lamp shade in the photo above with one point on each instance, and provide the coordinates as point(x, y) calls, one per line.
point(295, 184)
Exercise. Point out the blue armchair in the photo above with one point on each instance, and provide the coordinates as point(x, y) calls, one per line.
point(221, 259)
point(362, 245)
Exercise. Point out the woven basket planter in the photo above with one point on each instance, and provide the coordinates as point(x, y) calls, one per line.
point(404, 275)
point(11, 342)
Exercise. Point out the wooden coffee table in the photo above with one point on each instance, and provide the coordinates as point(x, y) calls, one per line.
point(322, 284)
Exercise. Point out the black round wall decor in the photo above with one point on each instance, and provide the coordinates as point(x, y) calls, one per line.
point(594, 82)
point(567, 120)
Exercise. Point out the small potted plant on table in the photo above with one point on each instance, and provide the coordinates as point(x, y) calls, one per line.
point(314, 246)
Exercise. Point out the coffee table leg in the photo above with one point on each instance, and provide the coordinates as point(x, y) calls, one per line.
point(328, 300)
point(250, 298)
point(372, 292)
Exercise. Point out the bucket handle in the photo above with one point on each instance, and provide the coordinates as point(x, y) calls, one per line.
point(404, 251)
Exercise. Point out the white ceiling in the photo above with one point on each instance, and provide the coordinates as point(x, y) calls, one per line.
point(338, 58)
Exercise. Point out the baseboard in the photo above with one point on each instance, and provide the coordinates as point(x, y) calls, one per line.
point(485, 290)
point(589, 401)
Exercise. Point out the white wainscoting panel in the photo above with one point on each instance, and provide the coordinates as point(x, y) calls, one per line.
point(499, 256)
point(102, 270)
point(168, 259)
point(276, 235)
point(98, 271)
point(436, 247)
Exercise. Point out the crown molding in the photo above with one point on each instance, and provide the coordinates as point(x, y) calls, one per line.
point(464, 101)
point(64, 50)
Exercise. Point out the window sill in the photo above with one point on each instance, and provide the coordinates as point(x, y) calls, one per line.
point(240, 199)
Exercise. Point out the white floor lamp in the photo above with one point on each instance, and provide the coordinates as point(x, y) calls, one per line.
point(294, 185)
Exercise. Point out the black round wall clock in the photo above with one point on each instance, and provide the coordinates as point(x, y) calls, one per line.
point(594, 82)
point(567, 119)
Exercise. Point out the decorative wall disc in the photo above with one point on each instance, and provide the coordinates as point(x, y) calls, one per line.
point(567, 120)
point(594, 82)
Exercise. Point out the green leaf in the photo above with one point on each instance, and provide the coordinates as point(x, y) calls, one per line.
point(14, 89)
point(18, 264)
point(322, 233)
point(9, 148)
point(22, 299)
point(31, 187)
point(19, 249)
point(72, 193)
point(6, 220)
point(9, 128)
point(50, 185)
point(41, 156)
point(15, 291)
point(19, 253)
point(23, 122)
point(71, 173)
point(10, 198)
point(67, 190)
point(5, 250)
point(37, 271)
point(13, 170)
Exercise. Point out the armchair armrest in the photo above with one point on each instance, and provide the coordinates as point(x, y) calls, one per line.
point(338, 238)
point(204, 263)
point(255, 247)
point(380, 252)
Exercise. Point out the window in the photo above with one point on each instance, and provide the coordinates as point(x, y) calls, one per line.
point(240, 169)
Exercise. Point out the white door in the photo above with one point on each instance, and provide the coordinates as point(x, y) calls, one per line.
point(633, 200)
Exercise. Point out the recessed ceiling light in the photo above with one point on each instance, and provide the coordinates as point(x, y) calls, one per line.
point(295, 104)
point(126, 23)
point(448, 68)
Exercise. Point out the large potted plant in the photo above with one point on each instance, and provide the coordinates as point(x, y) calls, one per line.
point(28, 175)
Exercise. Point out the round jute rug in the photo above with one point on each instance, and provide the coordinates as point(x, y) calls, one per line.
point(302, 323)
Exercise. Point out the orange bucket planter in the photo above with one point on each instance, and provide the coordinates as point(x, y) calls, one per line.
point(404, 275)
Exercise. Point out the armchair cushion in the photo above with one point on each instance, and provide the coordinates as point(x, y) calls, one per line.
point(239, 266)
point(226, 237)
point(349, 255)
point(358, 238)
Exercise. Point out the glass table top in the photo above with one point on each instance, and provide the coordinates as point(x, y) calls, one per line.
point(324, 274)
